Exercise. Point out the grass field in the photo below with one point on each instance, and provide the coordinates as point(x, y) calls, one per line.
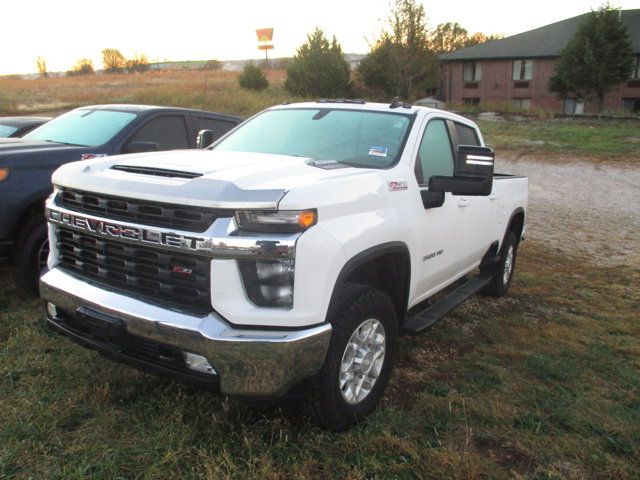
point(544, 383)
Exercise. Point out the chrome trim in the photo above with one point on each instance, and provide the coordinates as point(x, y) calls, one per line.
point(221, 240)
point(249, 361)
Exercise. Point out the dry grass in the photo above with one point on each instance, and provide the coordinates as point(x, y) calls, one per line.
point(217, 91)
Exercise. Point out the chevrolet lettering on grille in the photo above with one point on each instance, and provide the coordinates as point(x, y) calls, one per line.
point(136, 234)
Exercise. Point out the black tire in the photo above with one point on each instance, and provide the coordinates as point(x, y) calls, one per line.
point(356, 305)
point(31, 250)
point(501, 279)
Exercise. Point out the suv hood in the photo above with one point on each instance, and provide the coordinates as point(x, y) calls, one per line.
point(11, 145)
point(222, 179)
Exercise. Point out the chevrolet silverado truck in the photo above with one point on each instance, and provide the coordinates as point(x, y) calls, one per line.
point(288, 254)
point(26, 165)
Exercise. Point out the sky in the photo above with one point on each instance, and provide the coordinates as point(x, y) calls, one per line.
point(63, 31)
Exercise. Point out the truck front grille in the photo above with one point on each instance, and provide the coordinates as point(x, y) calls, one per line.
point(167, 278)
point(144, 212)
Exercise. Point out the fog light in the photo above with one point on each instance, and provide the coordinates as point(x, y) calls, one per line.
point(52, 310)
point(269, 283)
point(198, 363)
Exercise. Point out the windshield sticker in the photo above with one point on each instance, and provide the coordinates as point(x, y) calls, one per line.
point(378, 151)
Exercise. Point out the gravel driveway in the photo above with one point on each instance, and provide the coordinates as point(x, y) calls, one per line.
point(587, 210)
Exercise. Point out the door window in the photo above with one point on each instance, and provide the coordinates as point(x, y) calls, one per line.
point(435, 156)
point(218, 127)
point(466, 135)
point(169, 133)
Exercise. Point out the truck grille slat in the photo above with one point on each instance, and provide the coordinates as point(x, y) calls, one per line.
point(144, 212)
point(137, 270)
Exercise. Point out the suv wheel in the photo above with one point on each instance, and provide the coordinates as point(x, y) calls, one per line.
point(31, 252)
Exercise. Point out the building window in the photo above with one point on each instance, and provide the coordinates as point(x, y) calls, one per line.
point(472, 71)
point(635, 73)
point(631, 105)
point(523, 104)
point(571, 106)
point(522, 69)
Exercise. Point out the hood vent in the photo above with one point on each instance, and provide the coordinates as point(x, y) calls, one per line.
point(158, 172)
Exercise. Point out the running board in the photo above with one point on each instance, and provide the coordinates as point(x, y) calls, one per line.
point(439, 309)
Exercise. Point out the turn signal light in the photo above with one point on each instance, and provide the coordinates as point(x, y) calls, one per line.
point(4, 174)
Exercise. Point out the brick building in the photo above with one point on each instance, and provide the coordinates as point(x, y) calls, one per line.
point(517, 69)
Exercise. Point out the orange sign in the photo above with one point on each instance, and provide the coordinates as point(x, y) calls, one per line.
point(264, 34)
point(265, 47)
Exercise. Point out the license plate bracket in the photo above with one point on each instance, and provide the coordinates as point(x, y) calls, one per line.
point(102, 326)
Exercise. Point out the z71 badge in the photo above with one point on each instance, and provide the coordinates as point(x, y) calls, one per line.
point(397, 186)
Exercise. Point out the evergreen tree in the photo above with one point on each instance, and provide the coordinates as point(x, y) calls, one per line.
point(253, 78)
point(597, 58)
point(319, 69)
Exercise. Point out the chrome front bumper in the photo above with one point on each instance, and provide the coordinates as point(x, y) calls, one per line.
point(248, 362)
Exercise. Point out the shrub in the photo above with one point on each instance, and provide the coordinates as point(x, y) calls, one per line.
point(253, 78)
point(319, 69)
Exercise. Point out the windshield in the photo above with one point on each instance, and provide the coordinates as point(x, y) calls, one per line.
point(6, 130)
point(88, 128)
point(357, 137)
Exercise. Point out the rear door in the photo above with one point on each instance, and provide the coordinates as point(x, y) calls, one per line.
point(478, 212)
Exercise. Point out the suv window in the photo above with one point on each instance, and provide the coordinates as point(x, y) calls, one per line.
point(435, 156)
point(466, 135)
point(218, 127)
point(168, 132)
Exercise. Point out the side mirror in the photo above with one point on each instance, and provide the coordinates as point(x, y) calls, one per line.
point(205, 138)
point(141, 147)
point(473, 173)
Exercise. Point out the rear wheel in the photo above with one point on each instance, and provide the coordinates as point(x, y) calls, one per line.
point(31, 253)
point(502, 272)
point(359, 360)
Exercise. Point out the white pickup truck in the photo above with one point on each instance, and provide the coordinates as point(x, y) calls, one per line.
point(285, 255)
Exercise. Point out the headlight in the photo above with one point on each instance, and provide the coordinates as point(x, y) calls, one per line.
point(268, 283)
point(281, 221)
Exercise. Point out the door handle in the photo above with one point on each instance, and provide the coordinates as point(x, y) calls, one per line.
point(463, 202)
point(493, 196)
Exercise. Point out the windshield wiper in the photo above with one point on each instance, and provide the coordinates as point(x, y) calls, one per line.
point(66, 143)
point(355, 164)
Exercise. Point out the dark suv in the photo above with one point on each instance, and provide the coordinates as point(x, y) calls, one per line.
point(26, 165)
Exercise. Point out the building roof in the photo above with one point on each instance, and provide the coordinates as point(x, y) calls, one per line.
point(547, 41)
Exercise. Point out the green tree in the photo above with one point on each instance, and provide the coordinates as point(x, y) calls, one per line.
point(253, 78)
point(400, 62)
point(213, 65)
point(597, 58)
point(113, 61)
point(319, 69)
point(84, 66)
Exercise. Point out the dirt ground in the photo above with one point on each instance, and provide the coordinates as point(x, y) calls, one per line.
point(583, 209)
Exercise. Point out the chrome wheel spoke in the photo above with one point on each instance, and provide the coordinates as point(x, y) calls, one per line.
point(362, 361)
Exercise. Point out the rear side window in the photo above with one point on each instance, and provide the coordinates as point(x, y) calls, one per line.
point(466, 135)
point(218, 127)
point(168, 132)
point(435, 156)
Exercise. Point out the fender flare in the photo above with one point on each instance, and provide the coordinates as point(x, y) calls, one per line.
point(366, 256)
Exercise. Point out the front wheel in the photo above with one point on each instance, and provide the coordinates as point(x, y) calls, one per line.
point(32, 250)
point(502, 273)
point(359, 360)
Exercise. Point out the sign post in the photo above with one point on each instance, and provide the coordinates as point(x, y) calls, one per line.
point(265, 36)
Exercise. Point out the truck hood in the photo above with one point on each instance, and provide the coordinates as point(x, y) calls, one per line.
point(222, 179)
